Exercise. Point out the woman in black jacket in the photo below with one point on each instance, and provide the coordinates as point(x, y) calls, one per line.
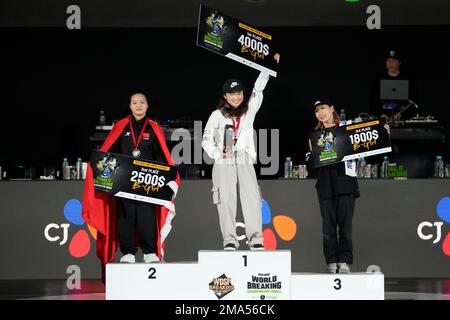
point(337, 188)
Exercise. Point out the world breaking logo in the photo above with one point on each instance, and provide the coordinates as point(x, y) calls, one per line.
point(264, 285)
point(216, 23)
point(107, 166)
point(326, 141)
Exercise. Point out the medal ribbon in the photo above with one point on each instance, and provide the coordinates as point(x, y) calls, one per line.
point(236, 127)
point(136, 144)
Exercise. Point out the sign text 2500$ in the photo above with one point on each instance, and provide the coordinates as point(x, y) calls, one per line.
point(131, 178)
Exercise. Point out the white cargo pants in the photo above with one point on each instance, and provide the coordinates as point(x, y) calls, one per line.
point(229, 174)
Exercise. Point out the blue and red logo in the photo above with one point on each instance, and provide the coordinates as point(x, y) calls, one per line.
point(80, 242)
point(427, 230)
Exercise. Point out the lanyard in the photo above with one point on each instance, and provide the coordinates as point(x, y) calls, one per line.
point(136, 144)
point(236, 127)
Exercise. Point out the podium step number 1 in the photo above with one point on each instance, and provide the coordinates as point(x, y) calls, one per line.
point(253, 275)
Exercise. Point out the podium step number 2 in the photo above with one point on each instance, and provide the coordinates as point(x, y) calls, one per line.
point(156, 281)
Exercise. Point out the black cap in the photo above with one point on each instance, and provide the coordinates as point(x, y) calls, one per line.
point(322, 101)
point(393, 54)
point(232, 85)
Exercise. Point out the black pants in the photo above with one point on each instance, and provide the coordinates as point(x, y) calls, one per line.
point(135, 215)
point(337, 214)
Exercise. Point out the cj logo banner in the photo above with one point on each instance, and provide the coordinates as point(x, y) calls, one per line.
point(80, 243)
point(53, 236)
point(433, 230)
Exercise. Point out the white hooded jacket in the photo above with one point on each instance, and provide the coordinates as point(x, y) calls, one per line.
point(213, 135)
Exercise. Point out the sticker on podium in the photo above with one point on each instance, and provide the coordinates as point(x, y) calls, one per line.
point(155, 281)
point(246, 275)
point(324, 286)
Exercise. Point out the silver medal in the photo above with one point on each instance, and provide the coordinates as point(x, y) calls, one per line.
point(136, 153)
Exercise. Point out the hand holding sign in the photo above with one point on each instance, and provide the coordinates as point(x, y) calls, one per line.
point(276, 56)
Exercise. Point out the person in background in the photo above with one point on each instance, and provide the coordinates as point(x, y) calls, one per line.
point(393, 109)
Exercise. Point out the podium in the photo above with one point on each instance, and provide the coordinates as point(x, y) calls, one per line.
point(328, 286)
point(235, 275)
point(255, 275)
point(152, 281)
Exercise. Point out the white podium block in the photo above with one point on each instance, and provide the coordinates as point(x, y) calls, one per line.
point(246, 275)
point(154, 281)
point(324, 286)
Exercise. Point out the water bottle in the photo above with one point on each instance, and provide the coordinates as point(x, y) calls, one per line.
point(441, 168)
point(342, 115)
point(385, 168)
point(78, 167)
point(102, 118)
point(438, 167)
point(361, 166)
point(288, 168)
point(65, 169)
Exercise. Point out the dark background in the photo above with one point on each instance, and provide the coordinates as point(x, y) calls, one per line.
point(56, 80)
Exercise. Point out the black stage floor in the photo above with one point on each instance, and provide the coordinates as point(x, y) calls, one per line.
point(395, 289)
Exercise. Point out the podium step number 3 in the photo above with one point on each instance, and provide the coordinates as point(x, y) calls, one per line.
point(323, 286)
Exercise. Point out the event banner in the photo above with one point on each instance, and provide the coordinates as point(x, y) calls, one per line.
point(236, 40)
point(349, 142)
point(132, 178)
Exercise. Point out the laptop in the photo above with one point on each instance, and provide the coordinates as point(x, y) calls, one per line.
point(394, 90)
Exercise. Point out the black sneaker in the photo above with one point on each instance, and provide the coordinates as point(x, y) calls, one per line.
point(230, 247)
point(257, 247)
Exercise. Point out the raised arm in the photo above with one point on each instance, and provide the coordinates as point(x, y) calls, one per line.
point(257, 96)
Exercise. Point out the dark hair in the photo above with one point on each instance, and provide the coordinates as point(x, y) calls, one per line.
point(229, 111)
point(138, 92)
point(336, 118)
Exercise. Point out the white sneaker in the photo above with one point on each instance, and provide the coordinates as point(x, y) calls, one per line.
point(332, 268)
point(128, 258)
point(151, 258)
point(343, 267)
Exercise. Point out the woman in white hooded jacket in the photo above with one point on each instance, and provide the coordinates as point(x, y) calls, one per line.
point(233, 161)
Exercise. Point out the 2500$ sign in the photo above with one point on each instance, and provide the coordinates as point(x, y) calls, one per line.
point(137, 179)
